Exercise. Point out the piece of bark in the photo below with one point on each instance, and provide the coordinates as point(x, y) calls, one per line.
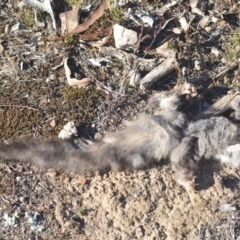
point(69, 20)
point(218, 107)
point(157, 73)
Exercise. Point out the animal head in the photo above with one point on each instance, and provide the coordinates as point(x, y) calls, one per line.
point(185, 160)
point(162, 102)
point(171, 100)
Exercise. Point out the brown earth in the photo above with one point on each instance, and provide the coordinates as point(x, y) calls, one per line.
point(45, 204)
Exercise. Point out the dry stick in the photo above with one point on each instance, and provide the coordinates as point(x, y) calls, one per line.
point(199, 51)
point(203, 63)
point(108, 90)
point(223, 104)
point(19, 106)
point(157, 73)
point(218, 77)
point(217, 108)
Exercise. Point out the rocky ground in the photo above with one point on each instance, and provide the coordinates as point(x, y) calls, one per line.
point(37, 99)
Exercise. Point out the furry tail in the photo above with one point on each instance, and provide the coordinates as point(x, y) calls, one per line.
point(58, 154)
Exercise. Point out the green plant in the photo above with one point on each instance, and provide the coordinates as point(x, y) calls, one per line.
point(170, 44)
point(74, 2)
point(116, 13)
point(82, 211)
point(2, 237)
point(69, 39)
point(233, 50)
point(28, 17)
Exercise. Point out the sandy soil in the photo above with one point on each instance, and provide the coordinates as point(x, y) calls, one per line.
point(45, 204)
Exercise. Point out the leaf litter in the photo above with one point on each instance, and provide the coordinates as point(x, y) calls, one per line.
point(201, 36)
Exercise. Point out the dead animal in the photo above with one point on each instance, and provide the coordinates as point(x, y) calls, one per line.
point(216, 138)
point(149, 139)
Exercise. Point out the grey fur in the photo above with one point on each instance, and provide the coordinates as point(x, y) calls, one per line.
point(171, 100)
point(235, 104)
point(215, 139)
point(148, 140)
point(145, 141)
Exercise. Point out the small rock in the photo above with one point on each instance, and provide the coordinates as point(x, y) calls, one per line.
point(124, 38)
point(51, 173)
point(53, 123)
point(68, 131)
point(18, 178)
point(139, 232)
point(227, 207)
point(135, 77)
point(223, 60)
point(82, 180)
point(66, 179)
point(197, 65)
point(52, 76)
point(237, 115)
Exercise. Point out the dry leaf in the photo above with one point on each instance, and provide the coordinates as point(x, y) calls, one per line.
point(74, 81)
point(197, 11)
point(101, 42)
point(82, 180)
point(166, 7)
point(193, 3)
point(96, 14)
point(203, 23)
point(183, 23)
point(196, 7)
point(227, 207)
point(58, 63)
point(176, 30)
point(69, 20)
point(165, 51)
point(208, 29)
point(66, 179)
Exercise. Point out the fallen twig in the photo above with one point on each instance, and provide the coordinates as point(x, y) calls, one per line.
point(102, 85)
point(223, 104)
point(217, 108)
point(157, 73)
point(96, 14)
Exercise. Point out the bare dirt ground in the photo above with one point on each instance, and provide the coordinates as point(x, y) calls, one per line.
point(35, 99)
